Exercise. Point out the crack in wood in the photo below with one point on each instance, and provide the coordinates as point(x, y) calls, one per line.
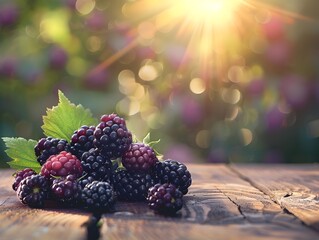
point(294, 199)
point(4, 201)
point(248, 180)
point(237, 205)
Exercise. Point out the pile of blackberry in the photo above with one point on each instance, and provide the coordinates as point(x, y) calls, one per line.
point(83, 171)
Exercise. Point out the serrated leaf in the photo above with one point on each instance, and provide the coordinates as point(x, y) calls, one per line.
point(62, 120)
point(21, 151)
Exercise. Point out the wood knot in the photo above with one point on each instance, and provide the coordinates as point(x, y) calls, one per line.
point(288, 194)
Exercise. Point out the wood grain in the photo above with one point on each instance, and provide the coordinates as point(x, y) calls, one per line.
point(219, 205)
point(294, 187)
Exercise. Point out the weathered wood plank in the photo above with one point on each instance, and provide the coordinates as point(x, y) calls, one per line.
point(294, 187)
point(219, 205)
point(119, 229)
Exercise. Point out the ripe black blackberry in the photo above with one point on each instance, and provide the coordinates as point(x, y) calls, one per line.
point(20, 175)
point(139, 157)
point(112, 136)
point(174, 172)
point(82, 182)
point(165, 198)
point(33, 191)
point(98, 196)
point(96, 165)
point(82, 140)
point(132, 186)
point(49, 146)
point(66, 190)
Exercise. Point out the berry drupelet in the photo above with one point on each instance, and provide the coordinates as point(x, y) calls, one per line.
point(112, 136)
point(66, 190)
point(82, 140)
point(165, 198)
point(132, 186)
point(20, 175)
point(62, 165)
point(33, 191)
point(98, 196)
point(82, 182)
point(49, 146)
point(176, 173)
point(96, 165)
point(139, 158)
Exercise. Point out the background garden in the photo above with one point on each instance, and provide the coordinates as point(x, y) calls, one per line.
point(216, 81)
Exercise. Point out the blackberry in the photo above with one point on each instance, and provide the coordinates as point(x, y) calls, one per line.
point(165, 198)
point(98, 196)
point(96, 165)
point(66, 190)
point(82, 140)
point(112, 136)
point(139, 157)
point(49, 146)
point(33, 191)
point(132, 186)
point(176, 173)
point(84, 181)
point(62, 165)
point(20, 175)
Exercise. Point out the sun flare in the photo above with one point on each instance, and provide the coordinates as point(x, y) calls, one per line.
point(217, 12)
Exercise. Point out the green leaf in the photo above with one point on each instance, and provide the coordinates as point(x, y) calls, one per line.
point(147, 141)
point(62, 120)
point(147, 138)
point(21, 151)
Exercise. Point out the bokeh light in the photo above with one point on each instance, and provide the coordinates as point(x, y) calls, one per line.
point(197, 85)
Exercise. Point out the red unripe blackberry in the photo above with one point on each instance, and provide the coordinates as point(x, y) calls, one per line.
point(20, 175)
point(66, 189)
point(61, 165)
point(174, 172)
point(82, 140)
point(98, 196)
point(111, 136)
point(132, 186)
point(33, 191)
point(165, 198)
point(139, 157)
point(49, 146)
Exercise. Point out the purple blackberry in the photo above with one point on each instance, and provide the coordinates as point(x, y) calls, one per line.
point(82, 140)
point(176, 173)
point(96, 165)
point(132, 186)
point(66, 190)
point(49, 146)
point(139, 157)
point(98, 196)
point(61, 165)
point(165, 198)
point(20, 175)
point(33, 190)
point(112, 136)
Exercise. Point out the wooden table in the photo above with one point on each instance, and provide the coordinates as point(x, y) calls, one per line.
point(224, 202)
